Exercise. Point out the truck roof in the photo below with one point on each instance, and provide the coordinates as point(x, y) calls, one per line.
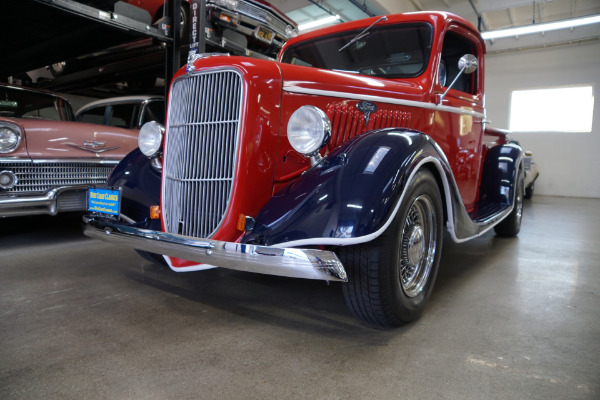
point(438, 19)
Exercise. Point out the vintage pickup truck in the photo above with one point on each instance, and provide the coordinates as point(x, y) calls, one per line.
point(342, 161)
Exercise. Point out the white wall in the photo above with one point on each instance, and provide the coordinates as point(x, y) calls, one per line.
point(569, 163)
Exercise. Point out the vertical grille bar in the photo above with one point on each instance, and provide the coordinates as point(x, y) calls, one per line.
point(200, 155)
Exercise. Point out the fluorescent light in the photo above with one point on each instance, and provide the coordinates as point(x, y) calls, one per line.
point(550, 26)
point(319, 22)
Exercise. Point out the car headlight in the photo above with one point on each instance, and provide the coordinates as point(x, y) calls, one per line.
point(308, 130)
point(290, 31)
point(10, 137)
point(150, 138)
point(230, 4)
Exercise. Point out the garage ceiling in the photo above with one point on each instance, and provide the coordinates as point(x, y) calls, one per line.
point(487, 15)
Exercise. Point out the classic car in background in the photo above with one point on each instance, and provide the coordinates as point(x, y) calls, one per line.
point(531, 174)
point(253, 26)
point(47, 160)
point(530, 169)
point(130, 112)
point(264, 27)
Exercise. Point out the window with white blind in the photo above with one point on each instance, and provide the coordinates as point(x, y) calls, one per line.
point(560, 109)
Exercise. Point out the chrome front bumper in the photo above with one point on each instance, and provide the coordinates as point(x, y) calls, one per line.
point(291, 262)
point(63, 198)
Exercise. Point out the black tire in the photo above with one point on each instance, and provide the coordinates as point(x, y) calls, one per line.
point(391, 278)
point(184, 27)
point(529, 190)
point(511, 225)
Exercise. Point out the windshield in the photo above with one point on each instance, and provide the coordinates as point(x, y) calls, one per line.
point(393, 51)
point(20, 103)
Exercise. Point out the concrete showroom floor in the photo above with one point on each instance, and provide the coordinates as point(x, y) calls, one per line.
point(508, 319)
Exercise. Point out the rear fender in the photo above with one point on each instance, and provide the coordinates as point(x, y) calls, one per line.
point(500, 170)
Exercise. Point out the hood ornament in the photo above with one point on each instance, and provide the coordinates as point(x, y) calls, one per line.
point(194, 56)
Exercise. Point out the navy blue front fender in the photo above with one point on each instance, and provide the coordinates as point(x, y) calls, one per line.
point(140, 188)
point(350, 197)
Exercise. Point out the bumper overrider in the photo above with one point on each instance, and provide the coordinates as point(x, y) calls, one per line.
point(290, 262)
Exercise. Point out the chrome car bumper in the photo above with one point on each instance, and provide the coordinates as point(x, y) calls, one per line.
point(58, 199)
point(290, 262)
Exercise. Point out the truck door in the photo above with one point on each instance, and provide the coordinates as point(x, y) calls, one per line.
point(460, 127)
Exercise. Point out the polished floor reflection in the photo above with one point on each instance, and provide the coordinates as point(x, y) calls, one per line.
point(508, 319)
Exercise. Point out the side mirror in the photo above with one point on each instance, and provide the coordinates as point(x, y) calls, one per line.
point(467, 64)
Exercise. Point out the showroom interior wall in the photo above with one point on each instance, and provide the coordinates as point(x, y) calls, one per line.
point(569, 163)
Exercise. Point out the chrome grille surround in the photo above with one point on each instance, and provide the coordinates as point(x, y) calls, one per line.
point(37, 177)
point(203, 127)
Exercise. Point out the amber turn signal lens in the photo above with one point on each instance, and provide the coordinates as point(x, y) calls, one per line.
point(245, 223)
point(154, 212)
point(241, 225)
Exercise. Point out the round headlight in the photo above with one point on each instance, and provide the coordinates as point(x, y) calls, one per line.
point(8, 180)
point(10, 137)
point(150, 138)
point(308, 130)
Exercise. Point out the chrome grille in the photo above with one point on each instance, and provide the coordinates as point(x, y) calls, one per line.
point(38, 178)
point(200, 153)
point(270, 19)
point(348, 122)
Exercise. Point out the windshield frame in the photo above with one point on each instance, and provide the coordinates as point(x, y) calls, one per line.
point(426, 45)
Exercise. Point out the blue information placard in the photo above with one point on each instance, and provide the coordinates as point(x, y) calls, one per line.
point(104, 201)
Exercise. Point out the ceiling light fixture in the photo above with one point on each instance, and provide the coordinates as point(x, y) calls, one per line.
point(537, 28)
point(319, 22)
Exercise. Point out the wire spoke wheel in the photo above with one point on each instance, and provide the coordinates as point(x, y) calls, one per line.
point(418, 246)
point(391, 278)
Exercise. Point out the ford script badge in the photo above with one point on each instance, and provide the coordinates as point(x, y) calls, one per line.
point(367, 108)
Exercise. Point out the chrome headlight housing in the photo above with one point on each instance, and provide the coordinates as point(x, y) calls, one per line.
point(150, 138)
point(308, 130)
point(10, 137)
point(230, 4)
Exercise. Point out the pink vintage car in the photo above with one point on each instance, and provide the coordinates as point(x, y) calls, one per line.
point(47, 161)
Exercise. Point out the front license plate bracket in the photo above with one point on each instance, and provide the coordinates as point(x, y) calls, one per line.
point(104, 201)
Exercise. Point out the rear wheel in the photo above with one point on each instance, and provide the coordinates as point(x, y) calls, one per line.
point(511, 225)
point(391, 278)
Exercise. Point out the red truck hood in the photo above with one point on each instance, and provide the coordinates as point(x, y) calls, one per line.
point(47, 139)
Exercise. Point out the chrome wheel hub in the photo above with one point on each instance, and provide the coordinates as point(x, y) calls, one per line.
point(418, 246)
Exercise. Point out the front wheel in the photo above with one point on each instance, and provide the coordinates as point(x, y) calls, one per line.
point(391, 278)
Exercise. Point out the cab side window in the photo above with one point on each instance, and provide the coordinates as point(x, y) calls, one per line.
point(455, 46)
